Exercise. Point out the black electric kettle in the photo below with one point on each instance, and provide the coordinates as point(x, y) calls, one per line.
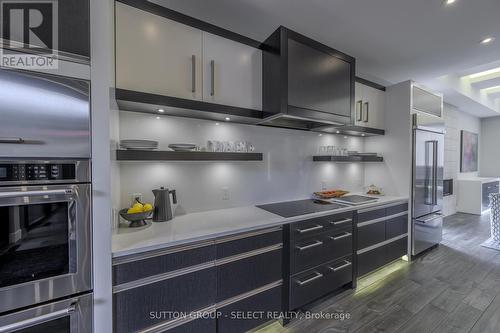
point(163, 207)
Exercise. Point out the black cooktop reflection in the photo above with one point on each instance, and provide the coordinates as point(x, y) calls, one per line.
point(300, 207)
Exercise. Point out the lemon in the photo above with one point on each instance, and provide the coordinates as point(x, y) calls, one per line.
point(147, 207)
point(138, 206)
point(134, 210)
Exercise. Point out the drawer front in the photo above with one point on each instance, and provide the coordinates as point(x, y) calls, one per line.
point(371, 260)
point(231, 320)
point(316, 250)
point(139, 269)
point(304, 229)
point(195, 326)
point(189, 292)
point(396, 226)
point(371, 234)
point(247, 244)
point(397, 209)
point(371, 215)
point(245, 275)
point(318, 282)
point(396, 249)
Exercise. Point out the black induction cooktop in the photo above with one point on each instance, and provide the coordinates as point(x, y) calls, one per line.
point(300, 207)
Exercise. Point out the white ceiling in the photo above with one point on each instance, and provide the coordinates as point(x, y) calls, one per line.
point(392, 40)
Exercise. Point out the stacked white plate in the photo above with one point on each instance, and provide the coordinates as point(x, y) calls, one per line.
point(139, 144)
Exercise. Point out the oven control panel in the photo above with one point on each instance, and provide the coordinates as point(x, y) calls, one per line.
point(36, 172)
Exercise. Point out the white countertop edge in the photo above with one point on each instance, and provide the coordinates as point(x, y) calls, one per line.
point(277, 220)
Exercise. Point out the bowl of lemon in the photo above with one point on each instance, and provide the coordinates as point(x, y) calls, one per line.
point(137, 214)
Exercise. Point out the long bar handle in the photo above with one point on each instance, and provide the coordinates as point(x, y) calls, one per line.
point(367, 108)
point(344, 235)
point(12, 140)
point(435, 172)
point(338, 268)
point(34, 193)
point(310, 246)
point(359, 110)
point(193, 73)
point(37, 320)
point(315, 277)
point(303, 231)
point(212, 80)
point(341, 221)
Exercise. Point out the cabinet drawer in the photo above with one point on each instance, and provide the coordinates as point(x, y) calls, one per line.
point(396, 249)
point(371, 215)
point(371, 260)
point(189, 292)
point(248, 243)
point(318, 282)
point(238, 277)
point(397, 209)
point(396, 226)
point(304, 229)
point(171, 260)
point(195, 326)
point(231, 320)
point(319, 249)
point(371, 234)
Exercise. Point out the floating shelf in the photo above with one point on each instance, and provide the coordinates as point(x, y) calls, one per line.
point(159, 155)
point(348, 159)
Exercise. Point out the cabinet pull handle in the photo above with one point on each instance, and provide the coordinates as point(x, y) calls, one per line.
point(338, 268)
point(359, 110)
point(212, 81)
point(303, 231)
point(12, 140)
point(341, 221)
point(344, 235)
point(193, 73)
point(315, 277)
point(310, 246)
point(367, 108)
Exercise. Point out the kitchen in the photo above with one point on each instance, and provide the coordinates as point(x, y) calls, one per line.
point(237, 183)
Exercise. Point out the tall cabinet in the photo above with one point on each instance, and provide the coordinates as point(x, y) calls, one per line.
point(162, 56)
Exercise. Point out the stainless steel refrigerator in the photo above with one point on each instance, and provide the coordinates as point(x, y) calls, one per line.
point(428, 170)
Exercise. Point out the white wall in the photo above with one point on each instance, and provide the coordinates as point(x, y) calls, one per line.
point(490, 147)
point(455, 122)
point(287, 171)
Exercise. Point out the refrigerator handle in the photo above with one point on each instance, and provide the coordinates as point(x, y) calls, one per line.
point(435, 173)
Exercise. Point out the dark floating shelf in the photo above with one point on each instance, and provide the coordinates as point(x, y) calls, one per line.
point(159, 155)
point(348, 159)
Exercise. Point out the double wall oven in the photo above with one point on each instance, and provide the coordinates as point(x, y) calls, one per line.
point(45, 204)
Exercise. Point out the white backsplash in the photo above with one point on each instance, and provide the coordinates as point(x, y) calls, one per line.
point(287, 171)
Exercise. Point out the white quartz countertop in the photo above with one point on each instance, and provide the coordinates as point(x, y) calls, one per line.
point(195, 227)
point(479, 179)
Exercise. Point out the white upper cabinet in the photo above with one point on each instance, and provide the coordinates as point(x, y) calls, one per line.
point(232, 73)
point(161, 56)
point(157, 55)
point(370, 106)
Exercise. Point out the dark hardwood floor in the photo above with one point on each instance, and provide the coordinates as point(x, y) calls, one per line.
point(453, 288)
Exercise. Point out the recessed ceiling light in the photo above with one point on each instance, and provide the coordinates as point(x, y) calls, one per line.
point(157, 117)
point(362, 134)
point(216, 124)
point(345, 137)
point(161, 110)
point(338, 132)
point(449, 2)
point(488, 72)
point(320, 134)
point(487, 40)
point(227, 119)
point(492, 88)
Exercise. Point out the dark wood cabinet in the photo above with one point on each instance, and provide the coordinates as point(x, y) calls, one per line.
point(74, 27)
point(250, 312)
point(195, 326)
point(136, 308)
point(317, 282)
point(241, 276)
point(371, 234)
point(380, 256)
point(249, 242)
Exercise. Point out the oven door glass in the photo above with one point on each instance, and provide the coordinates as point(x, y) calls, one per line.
point(35, 242)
